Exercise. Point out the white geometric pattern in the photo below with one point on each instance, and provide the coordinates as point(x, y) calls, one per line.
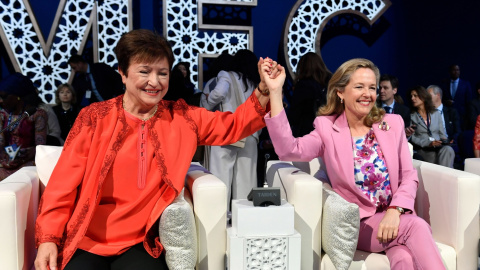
point(113, 22)
point(266, 253)
point(305, 23)
point(191, 39)
point(45, 62)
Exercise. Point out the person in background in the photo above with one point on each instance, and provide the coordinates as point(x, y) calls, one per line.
point(66, 109)
point(309, 93)
point(222, 62)
point(449, 115)
point(94, 82)
point(473, 109)
point(21, 133)
point(388, 90)
point(458, 93)
point(367, 159)
point(184, 67)
point(234, 164)
point(429, 139)
point(53, 126)
point(476, 139)
point(177, 82)
point(125, 160)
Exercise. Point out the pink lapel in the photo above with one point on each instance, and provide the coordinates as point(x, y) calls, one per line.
point(386, 139)
point(343, 146)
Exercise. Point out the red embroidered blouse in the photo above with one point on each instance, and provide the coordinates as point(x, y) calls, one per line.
point(97, 158)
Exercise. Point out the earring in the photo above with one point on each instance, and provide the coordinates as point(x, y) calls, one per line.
point(341, 100)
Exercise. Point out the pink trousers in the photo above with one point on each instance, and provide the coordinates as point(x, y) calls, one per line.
point(413, 248)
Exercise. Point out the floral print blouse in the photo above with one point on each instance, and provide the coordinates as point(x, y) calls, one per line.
point(370, 170)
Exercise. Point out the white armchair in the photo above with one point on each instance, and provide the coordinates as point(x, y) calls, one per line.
point(447, 199)
point(20, 193)
point(472, 165)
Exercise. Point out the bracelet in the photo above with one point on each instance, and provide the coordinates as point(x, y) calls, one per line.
point(265, 92)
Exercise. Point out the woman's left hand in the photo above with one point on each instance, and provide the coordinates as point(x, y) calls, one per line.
point(388, 228)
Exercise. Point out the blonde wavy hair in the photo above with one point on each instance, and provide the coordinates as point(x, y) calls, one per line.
point(337, 83)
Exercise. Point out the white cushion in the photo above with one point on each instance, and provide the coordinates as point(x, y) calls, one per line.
point(46, 157)
point(178, 235)
point(340, 228)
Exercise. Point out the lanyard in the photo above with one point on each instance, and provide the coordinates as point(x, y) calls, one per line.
point(15, 123)
point(429, 132)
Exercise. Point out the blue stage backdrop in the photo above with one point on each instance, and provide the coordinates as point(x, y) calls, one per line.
point(415, 40)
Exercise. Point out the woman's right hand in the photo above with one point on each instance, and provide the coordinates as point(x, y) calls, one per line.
point(46, 256)
point(436, 143)
point(274, 76)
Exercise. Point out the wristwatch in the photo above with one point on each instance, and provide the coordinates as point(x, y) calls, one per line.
point(398, 208)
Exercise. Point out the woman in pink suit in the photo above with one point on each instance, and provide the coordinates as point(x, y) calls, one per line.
point(367, 159)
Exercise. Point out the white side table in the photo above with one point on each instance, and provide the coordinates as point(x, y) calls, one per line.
point(262, 237)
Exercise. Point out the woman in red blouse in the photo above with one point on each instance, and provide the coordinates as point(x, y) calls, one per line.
point(125, 160)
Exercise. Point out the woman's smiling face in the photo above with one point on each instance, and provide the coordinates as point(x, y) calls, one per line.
point(147, 83)
point(360, 93)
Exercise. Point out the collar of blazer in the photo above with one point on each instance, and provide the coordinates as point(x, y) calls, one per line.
point(386, 138)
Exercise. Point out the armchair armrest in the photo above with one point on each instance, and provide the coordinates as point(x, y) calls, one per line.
point(449, 200)
point(210, 207)
point(304, 192)
point(18, 205)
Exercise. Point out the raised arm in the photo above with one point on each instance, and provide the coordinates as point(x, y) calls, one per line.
point(286, 146)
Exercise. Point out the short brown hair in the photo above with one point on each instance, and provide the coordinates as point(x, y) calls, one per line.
point(142, 45)
point(337, 83)
point(60, 87)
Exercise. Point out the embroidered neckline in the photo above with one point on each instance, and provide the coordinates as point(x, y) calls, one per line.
point(143, 119)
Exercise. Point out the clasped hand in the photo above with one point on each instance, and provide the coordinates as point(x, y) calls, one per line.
point(273, 74)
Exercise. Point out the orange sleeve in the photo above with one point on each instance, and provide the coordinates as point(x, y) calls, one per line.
point(223, 128)
point(57, 203)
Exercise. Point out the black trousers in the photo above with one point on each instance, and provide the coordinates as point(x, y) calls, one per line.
point(134, 258)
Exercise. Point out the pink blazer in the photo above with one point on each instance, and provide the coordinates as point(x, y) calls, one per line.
point(331, 140)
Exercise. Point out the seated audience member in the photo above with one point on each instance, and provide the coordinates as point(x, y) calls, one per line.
point(66, 109)
point(94, 82)
point(391, 102)
point(21, 132)
point(126, 159)
point(473, 109)
point(449, 115)
point(360, 144)
point(54, 132)
point(429, 135)
point(309, 93)
point(388, 90)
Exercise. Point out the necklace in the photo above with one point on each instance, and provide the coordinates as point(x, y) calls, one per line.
point(143, 119)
